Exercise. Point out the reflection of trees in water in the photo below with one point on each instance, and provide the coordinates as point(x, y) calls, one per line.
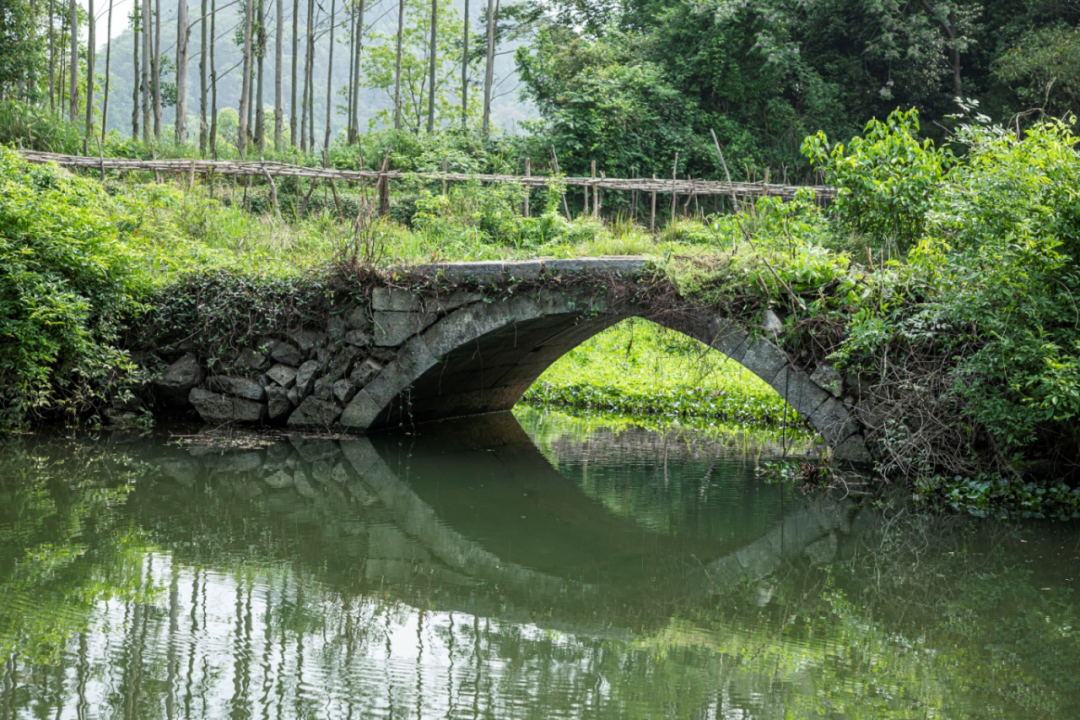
point(294, 584)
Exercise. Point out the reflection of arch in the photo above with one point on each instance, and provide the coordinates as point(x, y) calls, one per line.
point(482, 357)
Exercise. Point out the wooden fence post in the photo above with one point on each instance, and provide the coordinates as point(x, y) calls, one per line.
point(652, 214)
point(595, 192)
point(528, 187)
point(674, 191)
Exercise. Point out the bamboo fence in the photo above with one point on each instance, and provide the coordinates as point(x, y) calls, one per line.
point(680, 187)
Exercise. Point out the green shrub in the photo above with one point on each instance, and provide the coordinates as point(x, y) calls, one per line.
point(68, 283)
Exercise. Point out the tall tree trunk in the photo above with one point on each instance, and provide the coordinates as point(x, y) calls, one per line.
point(260, 108)
point(330, 77)
point(157, 70)
point(295, 56)
point(309, 49)
point(245, 85)
point(91, 51)
point(465, 71)
point(73, 88)
point(52, 56)
point(279, 68)
point(349, 86)
point(136, 30)
point(108, 71)
point(356, 72)
point(147, 67)
point(489, 74)
point(397, 66)
point(213, 80)
point(183, 36)
point(434, 54)
point(311, 97)
point(31, 68)
point(202, 79)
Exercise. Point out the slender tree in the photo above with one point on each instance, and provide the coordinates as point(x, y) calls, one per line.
point(52, 55)
point(356, 73)
point(260, 54)
point(213, 81)
point(202, 79)
point(73, 91)
point(489, 73)
point(147, 66)
point(295, 55)
point(397, 66)
point(351, 22)
point(330, 77)
point(434, 55)
point(183, 36)
point(245, 85)
point(108, 73)
point(157, 70)
point(465, 71)
point(279, 67)
point(91, 51)
point(309, 51)
point(136, 31)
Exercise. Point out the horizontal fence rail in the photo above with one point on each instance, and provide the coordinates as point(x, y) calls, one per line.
point(682, 187)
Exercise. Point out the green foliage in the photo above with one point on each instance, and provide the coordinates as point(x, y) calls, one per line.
point(999, 496)
point(37, 129)
point(885, 178)
point(1044, 68)
point(67, 286)
point(638, 369)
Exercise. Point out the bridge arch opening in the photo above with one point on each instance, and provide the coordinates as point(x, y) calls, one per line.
point(483, 356)
point(638, 367)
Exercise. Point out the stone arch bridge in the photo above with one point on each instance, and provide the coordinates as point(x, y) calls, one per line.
point(398, 357)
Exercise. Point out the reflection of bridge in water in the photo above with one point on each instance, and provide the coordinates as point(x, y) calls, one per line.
point(470, 516)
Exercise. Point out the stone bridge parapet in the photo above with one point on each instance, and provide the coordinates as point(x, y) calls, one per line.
point(397, 356)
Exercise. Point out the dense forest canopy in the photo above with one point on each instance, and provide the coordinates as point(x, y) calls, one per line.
point(624, 83)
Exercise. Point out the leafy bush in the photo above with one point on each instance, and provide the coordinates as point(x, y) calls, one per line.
point(68, 283)
point(885, 178)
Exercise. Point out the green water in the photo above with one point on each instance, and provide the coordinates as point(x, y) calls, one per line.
point(530, 568)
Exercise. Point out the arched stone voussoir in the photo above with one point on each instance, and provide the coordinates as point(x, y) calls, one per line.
point(483, 356)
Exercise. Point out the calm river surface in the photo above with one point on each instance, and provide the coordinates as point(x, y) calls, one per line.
point(502, 568)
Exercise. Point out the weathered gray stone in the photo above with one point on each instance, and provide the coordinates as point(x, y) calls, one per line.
point(304, 487)
point(344, 391)
point(238, 462)
point(365, 372)
point(823, 551)
point(732, 341)
point(833, 421)
point(342, 362)
point(240, 387)
point(294, 397)
point(283, 352)
point(772, 322)
point(828, 378)
point(764, 359)
point(447, 303)
point(853, 450)
point(465, 325)
point(361, 412)
point(307, 339)
point(277, 402)
point(395, 300)
point(178, 379)
point(218, 409)
point(795, 386)
point(394, 328)
point(250, 361)
point(315, 413)
point(481, 272)
point(614, 264)
point(323, 389)
point(305, 378)
point(335, 328)
point(360, 338)
point(358, 318)
point(283, 375)
point(523, 269)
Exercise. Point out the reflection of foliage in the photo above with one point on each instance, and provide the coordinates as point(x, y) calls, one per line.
point(62, 549)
